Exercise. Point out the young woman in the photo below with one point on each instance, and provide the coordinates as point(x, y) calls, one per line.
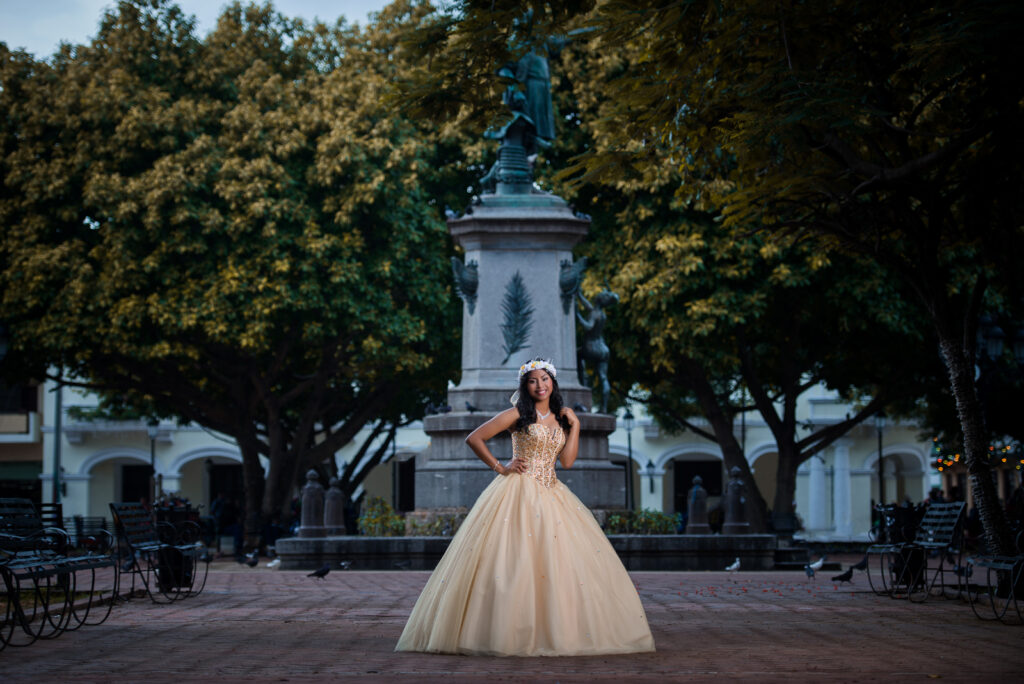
point(530, 571)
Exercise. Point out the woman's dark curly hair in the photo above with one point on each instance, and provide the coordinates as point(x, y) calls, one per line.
point(527, 410)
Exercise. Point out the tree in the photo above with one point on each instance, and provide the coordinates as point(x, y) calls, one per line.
point(712, 310)
point(237, 231)
point(890, 130)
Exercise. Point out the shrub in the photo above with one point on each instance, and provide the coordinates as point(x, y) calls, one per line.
point(640, 522)
point(380, 520)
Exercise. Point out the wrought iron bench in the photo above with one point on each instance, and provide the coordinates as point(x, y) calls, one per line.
point(1003, 588)
point(914, 566)
point(164, 558)
point(44, 594)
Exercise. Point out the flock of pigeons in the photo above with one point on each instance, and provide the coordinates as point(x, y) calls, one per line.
point(811, 568)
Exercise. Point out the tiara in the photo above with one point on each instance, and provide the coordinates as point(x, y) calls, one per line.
point(537, 365)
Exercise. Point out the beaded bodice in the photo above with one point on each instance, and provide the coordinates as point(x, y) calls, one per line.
point(539, 447)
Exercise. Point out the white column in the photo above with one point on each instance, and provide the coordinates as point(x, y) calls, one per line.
point(648, 499)
point(842, 496)
point(817, 513)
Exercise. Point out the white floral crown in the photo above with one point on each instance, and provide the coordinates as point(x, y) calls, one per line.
point(537, 365)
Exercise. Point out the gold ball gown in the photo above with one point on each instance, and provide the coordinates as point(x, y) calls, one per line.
point(529, 573)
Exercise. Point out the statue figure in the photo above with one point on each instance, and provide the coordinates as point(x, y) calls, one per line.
point(594, 348)
point(569, 278)
point(533, 122)
point(467, 280)
point(532, 71)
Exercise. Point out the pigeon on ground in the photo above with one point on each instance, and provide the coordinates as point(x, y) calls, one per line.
point(322, 572)
point(845, 577)
point(809, 571)
point(862, 564)
point(471, 408)
point(345, 565)
point(127, 565)
point(816, 565)
point(274, 563)
point(252, 559)
point(734, 567)
point(206, 557)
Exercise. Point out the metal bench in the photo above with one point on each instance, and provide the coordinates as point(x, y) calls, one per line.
point(914, 566)
point(1003, 588)
point(164, 558)
point(44, 593)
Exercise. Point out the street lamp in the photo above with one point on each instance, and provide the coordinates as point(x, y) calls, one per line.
point(880, 426)
point(627, 421)
point(650, 472)
point(152, 429)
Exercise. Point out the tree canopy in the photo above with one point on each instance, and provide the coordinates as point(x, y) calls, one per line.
point(236, 230)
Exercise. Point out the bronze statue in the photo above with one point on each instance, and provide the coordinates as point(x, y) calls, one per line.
point(594, 348)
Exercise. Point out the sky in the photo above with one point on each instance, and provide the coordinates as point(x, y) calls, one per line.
point(39, 26)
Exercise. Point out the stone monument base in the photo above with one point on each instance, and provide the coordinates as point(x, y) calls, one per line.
point(666, 552)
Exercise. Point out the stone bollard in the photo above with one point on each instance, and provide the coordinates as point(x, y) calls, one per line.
point(334, 509)
point(697, 509)
point(312, 507)
point(735, 505)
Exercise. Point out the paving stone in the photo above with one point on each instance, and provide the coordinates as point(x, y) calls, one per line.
point(269, 625)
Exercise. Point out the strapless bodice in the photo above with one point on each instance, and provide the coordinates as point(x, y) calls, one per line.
point(539, 447)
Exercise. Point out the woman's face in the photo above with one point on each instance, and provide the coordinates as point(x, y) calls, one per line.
point(538, 384)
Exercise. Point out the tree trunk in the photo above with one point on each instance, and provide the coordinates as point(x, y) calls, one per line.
point(784, 513)
point(722, 424)
point(960, 366)
point(252, 475)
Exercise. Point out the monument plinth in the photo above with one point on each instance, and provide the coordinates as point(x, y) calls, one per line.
point(518, 303)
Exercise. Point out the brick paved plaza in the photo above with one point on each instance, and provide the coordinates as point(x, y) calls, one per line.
point(266, 625)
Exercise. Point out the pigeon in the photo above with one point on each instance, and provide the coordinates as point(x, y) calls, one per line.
point(345, 565)
point(127, 565)
point(863, 564)
point(844, 577)
point(816, 565)
point(430, 410)
point(252, 559)
point(322, 572)
point(206, 557)
point(810, 571)
point(471, 408)
point(444, 409)
point(579, 408)
point(734, 567)
point(448, 213)
point(274, 563)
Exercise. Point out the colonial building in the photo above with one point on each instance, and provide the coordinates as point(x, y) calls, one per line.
point(100, 462)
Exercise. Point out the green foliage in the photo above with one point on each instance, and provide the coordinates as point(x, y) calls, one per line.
point(380, 520)
point(641, 522)
point(237, 230)
point(444, 525)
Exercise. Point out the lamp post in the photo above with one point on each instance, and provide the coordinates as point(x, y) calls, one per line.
point(627, 422)
point(650, 472)
point(879, 427)
point(152, 429)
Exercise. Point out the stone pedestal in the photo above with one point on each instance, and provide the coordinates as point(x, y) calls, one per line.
point(530, 234)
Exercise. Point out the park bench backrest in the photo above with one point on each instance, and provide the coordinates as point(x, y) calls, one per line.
point(135, 523)
point(19, 519)
point(941, 523)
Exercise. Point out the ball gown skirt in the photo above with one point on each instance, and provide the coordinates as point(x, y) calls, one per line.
point(529, 573)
